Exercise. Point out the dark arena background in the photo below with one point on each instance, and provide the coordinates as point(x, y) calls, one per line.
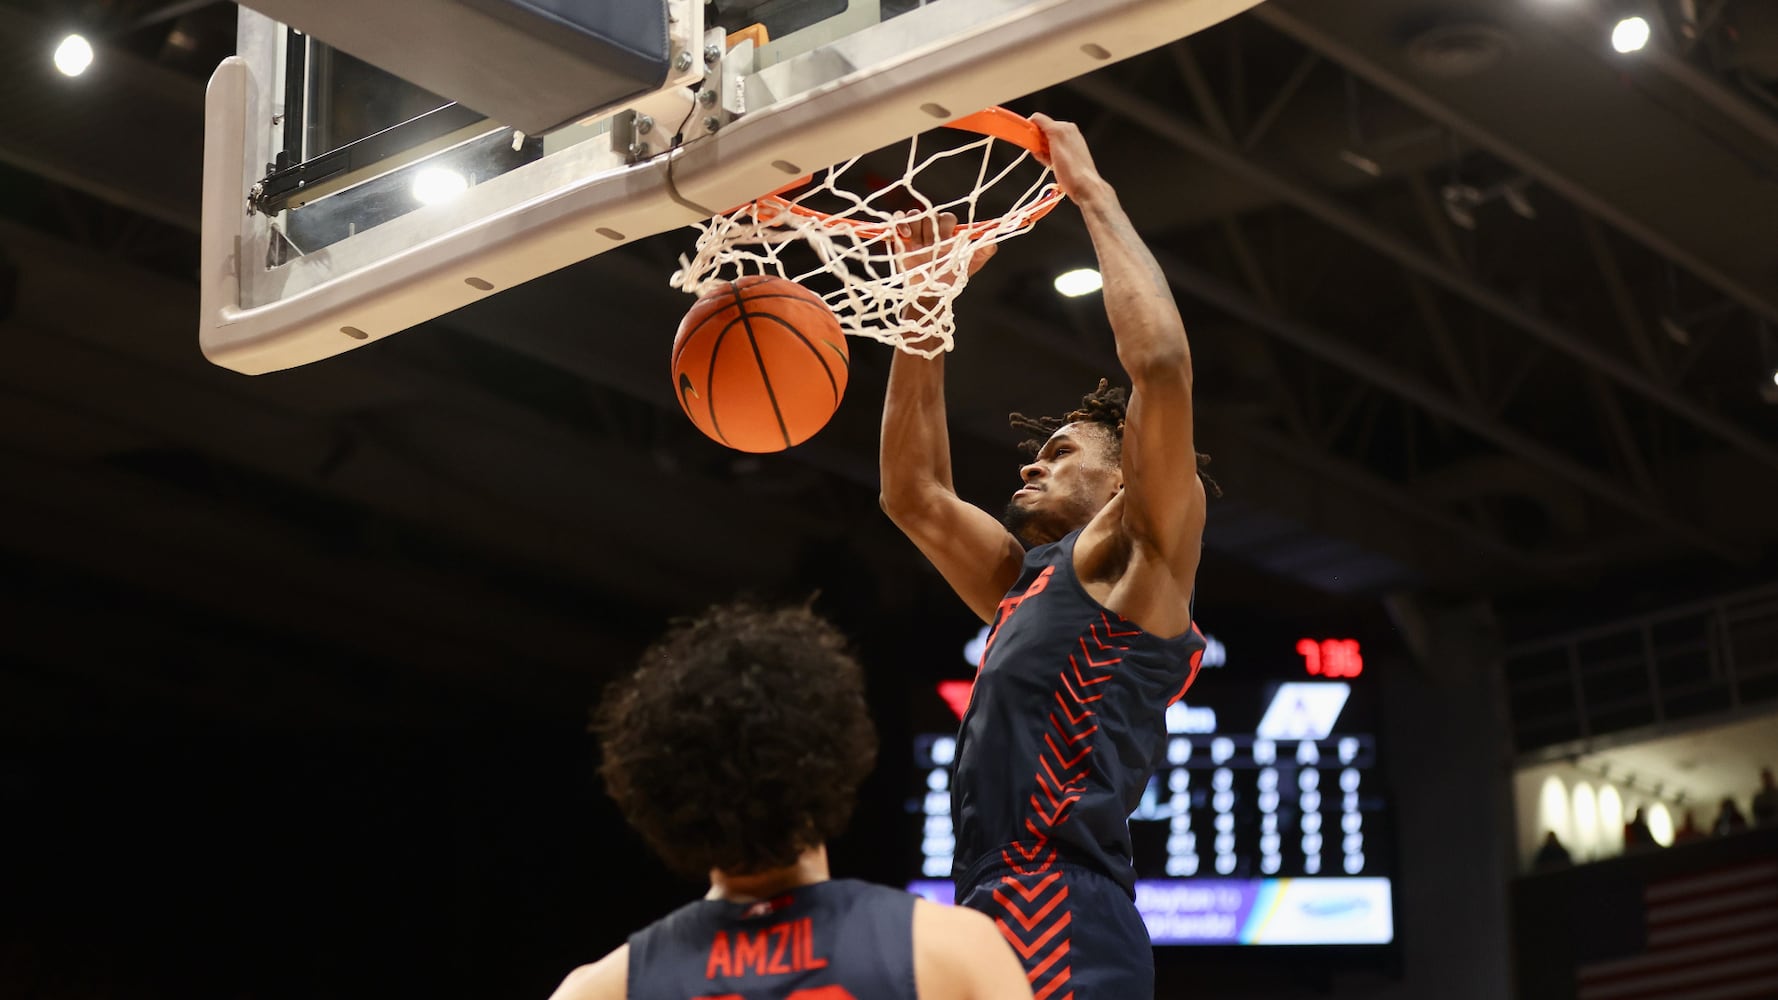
point(295, 669)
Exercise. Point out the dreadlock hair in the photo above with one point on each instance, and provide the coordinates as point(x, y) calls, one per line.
point(1105, 406)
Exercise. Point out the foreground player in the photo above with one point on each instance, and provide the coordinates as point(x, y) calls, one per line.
point(736, 750)
point(1088, 584)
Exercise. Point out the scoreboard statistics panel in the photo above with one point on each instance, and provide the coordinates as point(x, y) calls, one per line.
point(1265, 825)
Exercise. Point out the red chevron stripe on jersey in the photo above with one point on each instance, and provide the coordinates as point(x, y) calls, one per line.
point(1065, 724)
point(1034, 915)
point(1035, 919)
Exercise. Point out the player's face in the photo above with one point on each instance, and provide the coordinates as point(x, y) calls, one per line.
point(1074, 475)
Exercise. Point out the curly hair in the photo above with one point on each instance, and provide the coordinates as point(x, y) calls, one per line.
point(1105, 406)
point(739, 741)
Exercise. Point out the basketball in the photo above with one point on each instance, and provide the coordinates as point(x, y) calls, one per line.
point(760, 364)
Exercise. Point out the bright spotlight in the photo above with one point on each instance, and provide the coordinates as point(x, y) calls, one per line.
point(74, 55)
point(1775, 376)
point(1552, 808)
point(1585, 817)
point(1078, 282)
point(436, 184)
point(1660, 824)
point(1630, 35)
point(1611, 821)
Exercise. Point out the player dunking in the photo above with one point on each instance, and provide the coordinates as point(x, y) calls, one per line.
point(736, 749)
point(1088, 583)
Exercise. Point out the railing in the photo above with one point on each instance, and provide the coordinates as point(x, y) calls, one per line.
point(1716, 657)
point(1639, 921)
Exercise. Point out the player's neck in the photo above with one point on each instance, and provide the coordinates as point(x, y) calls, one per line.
point(810, 868)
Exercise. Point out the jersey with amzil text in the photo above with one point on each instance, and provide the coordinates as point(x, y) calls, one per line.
point(835, 940)
point(1066, 724)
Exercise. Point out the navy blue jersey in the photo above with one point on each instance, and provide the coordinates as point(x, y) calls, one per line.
point(836, 940)
point(1065, 726)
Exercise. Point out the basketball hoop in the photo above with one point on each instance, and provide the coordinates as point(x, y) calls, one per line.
point(856, 264)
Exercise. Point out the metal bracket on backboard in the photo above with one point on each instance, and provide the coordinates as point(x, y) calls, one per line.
point(629, 132)
point(687, 113)
point(646, 129)
point(723, 95)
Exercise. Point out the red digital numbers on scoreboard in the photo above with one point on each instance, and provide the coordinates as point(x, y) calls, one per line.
point(1331, 657)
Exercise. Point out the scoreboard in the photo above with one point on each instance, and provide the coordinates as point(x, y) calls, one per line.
point(1267, 823)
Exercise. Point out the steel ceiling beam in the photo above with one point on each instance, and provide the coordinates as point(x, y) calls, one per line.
point(1163, 122)
point(1444, 344)
point(1589, 26)
point(163, 13)
point(1438, 225)
point(1283, 399)
point(1361, 481)
point(1288, 23)
point(1611, 414)
point(1621, 300)
point(1433, 399)
point(1186, 62)
point(1250, 309)
point(1269, 116)
point(1314, 459)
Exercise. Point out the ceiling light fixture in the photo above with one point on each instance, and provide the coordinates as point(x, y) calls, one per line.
point(1630, 34)
point(1461, 201)
point(74, 55)
point(1078, 282)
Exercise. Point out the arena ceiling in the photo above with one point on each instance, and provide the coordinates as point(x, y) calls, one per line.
point(1482, 311)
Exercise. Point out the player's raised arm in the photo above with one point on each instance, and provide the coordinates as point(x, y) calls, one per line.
point(1163, 498)
point(977, 556)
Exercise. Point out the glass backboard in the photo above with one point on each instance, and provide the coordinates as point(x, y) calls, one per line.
point(343, 204)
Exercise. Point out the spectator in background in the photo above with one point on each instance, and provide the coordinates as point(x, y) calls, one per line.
point(1637, 835)
point(1765, 801)
point(1552, 855)
point(1688, 831)
point(1729, 820)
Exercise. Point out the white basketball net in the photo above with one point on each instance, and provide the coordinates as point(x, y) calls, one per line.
point(857, 244)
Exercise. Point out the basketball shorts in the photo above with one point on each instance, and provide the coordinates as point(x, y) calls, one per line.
point(1076, 930)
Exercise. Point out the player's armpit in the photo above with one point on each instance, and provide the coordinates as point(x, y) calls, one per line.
point(606, 979)
point(975, 554)
point(960, 955)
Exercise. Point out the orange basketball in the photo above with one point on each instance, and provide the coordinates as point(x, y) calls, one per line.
point(760, 364)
